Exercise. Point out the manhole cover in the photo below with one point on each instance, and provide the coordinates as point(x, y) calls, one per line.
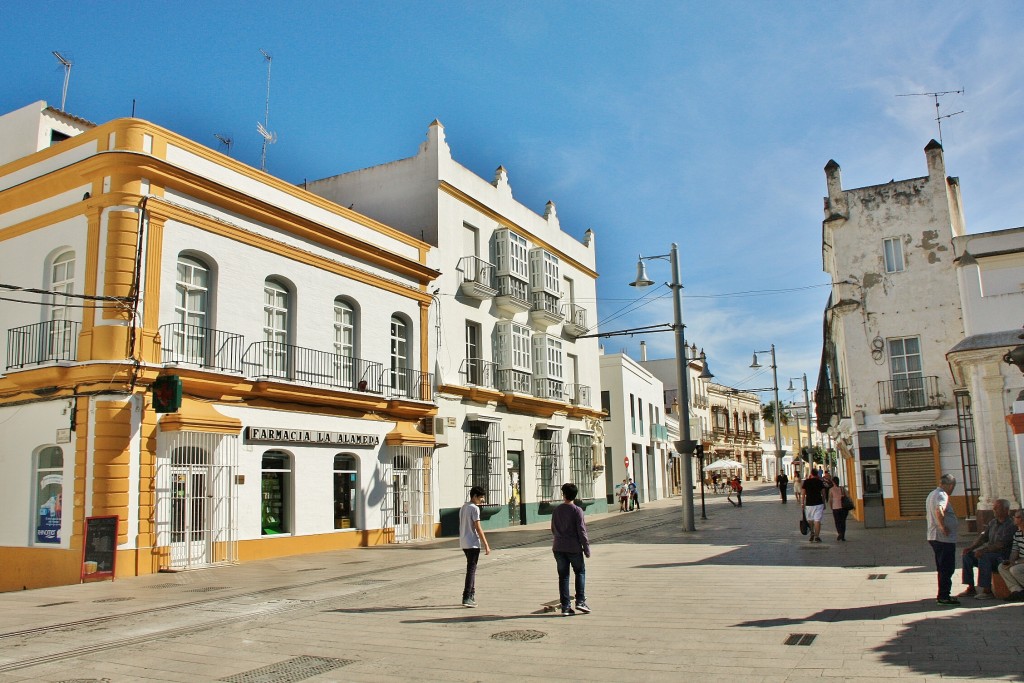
point(297, 669)
point(113, 599)
point(518, 636)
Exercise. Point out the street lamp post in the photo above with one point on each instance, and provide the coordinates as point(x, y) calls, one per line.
point(807, 403)
point(777, 409)
point(686, 445)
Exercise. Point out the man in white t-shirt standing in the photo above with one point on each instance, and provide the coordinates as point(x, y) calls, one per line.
point(942, 528)
point(471, 536)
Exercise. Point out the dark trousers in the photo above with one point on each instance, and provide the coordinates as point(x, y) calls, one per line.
point(988, 563)
point(840, 518)
point(472, 557)
point(782, 490)
point(945, 565)
point(634, 500)
point(564, 561)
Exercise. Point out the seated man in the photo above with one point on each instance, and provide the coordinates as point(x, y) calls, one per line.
point(1012, 570)
point(991, 548)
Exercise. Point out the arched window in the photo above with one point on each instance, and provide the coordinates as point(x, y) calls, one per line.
point(276, 484)
point(399, 355)
point(49, 494)
point(276, 305)
point(346, 491)
point(191, 310)
point(345, 343)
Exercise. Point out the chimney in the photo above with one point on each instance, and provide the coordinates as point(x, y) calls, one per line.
point(643, 352)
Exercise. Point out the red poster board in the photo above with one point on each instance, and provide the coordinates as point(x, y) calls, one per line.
point(99, 552)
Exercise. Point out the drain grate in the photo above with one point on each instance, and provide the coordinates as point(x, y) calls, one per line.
point(313, 569)
point(54, 604)
point(801, 638)
point(85, 680)
point(165, 585)
point(296, 669)
point(207, 589)
point(876, 577)
point(518, 636)
point(369, 582)
point(113, 599)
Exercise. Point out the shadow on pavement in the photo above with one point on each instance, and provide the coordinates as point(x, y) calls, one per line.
point(868, 613)
point(484, 618)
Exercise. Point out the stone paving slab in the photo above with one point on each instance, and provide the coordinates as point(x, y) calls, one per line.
point(716, 604)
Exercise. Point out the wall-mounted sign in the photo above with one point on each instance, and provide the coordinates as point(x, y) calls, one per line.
point(912, 444)
point(310, 436)
point(64, 435)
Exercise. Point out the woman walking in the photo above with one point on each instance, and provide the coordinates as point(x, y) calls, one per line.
point(835, 500)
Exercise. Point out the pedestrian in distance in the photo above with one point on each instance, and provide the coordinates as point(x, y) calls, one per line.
point(471, 538)
point(941, 534)
point(570, 544)
point(814, 504)
point(634, 496)
point(839, 513)
point(782, 481)
point(736, 486)
point(624, 496)
point(798, 485)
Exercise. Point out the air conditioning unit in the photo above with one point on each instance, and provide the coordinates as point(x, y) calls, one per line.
point(440, 426)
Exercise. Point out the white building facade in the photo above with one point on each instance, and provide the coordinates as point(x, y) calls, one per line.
point(288, 334)
point(517, 382)
point(884, 388)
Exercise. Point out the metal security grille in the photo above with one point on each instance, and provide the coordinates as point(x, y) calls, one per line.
point(581, 463)
point(549, 467)
point(484, 460)
point(196, 506)
point(968, 459)
point(408, 508)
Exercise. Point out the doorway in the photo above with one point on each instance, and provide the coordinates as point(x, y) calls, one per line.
point(516, 506)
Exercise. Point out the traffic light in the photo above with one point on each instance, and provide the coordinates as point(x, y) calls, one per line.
point(166, 394)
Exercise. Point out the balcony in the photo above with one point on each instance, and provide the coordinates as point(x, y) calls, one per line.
point(578, 395)
point(298, 364)
point(515, 381)
point(42, 343)
point(549, 389)
point(909, 394)
point(699, 401)
point(827, 406)
point(659, 432)
point(477, 278)
point(575, 320)
point(544, 310)
point(408, 383)
point(201, 346)
point(477, 372)
point(513, 295)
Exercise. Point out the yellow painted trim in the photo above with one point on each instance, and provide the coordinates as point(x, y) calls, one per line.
point(512, 225)
point(269, 547)
point(199, 416)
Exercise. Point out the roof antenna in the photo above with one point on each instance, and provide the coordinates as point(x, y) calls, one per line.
point(263, 128)
point(936, 96)
point(226, 141)
point(67, 76)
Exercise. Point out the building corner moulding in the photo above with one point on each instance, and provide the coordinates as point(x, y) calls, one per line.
point(198, 416)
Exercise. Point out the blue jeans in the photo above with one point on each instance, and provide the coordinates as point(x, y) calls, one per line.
point(986, 565)
point(564, 561)
point(945, 564)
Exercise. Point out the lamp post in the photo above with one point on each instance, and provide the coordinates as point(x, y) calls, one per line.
point(686, 445)
point(776, 412)
point(807, 403)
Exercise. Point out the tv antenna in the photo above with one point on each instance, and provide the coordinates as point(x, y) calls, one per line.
point(263, 129)
point(226, 141)
point(936, 95)
point(67, 76)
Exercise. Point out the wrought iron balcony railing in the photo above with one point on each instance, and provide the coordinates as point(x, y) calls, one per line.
point(578, 395)
point(909, 394)
point(202, 346)
point(479, 372)
point(41, 343)
point(299, 364)
point(408, 383)
point(575, 319)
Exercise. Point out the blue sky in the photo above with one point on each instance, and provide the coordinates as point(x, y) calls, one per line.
point(702, 123)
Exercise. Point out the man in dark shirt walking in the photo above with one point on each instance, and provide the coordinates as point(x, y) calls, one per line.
point(569, 544)
point(814, 504)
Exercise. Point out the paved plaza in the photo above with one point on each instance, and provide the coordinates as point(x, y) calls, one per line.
point(745, 598)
